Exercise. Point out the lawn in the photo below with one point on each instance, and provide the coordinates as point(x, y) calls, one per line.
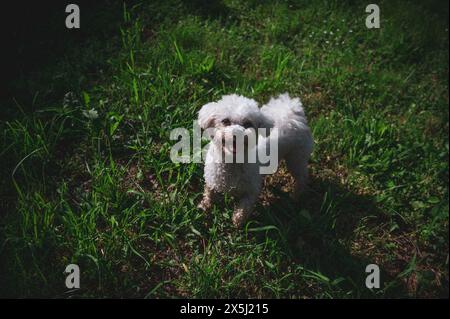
point(86, 174)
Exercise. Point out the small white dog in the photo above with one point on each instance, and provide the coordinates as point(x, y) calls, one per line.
point(237, 114)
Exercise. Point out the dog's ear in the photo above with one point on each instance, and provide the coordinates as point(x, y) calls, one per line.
point(207, 116)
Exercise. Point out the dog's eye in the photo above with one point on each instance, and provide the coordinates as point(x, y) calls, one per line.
point(226, 122)
point(247, 124)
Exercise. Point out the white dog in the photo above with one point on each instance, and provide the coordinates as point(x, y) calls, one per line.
point(235, 114)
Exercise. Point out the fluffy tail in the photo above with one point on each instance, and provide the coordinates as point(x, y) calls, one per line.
point(283, 109)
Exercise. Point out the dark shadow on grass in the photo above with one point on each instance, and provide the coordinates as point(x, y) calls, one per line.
point(208, 9)
point(316, 233)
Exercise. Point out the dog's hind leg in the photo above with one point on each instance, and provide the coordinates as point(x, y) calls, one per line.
point(297, 165)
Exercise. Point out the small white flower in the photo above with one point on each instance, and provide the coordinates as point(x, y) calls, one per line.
point(92, 114)
point(350, 31)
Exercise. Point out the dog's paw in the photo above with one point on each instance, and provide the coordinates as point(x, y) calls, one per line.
point(239, 218)
point(204, 206)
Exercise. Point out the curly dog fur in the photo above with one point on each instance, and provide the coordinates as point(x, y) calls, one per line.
point(237, 114)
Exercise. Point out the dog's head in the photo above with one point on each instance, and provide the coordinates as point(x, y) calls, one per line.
point(231, 118)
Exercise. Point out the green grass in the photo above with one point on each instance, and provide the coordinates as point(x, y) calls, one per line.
point(104, 194)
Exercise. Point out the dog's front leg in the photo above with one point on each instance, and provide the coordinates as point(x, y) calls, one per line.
point(209, 197)
point(243, 210)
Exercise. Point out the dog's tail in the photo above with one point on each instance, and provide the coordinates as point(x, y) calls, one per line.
point(284, 109)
